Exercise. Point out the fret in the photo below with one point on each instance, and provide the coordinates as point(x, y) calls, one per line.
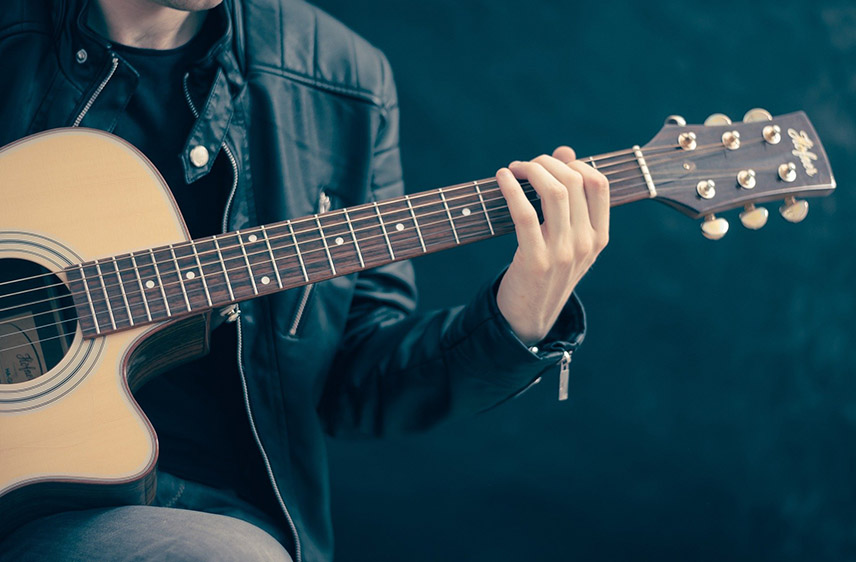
point(114, 289)
point(340, 244)
point(124, 294)
point(497, 208)
point(383, 227)
point(354, 237)
point(326, 246)
point(261, 260)
point(286, 262)
point(160, 282)
point(157, 305)
point(106, 296)
point(434, 223)
point(401, 228)
point(464, 205)
point(272, 257)
point(225, 269)
point(142, 290)
point(173, 283)
point(247, 261)
point(449, 214)
point(191, 275)
point(201, 273)
point(484, 208)
point(297, 250)
point(210, 264)
point(180, 277)
point(89, 299)
point(415, 223)
point(128, 289)
point(591, 162)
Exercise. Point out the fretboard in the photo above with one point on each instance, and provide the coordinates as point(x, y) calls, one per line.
point(163, 283)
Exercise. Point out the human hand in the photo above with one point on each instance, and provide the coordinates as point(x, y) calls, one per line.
point(552, 256)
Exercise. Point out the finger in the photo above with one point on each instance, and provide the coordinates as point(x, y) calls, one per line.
point(573, 184)
point(565, 154)
point(522, 212)
point(554, 197)
point(597, 198)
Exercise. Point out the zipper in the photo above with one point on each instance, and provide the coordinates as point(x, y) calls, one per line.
point(564, 374)
point(235, 316)
point(114, 64)
point(324, 204)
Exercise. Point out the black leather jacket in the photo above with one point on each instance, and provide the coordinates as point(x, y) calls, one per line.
point(300, 106)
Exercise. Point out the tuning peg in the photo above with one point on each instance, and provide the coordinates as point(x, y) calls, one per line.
point(794, 210)
point(713, 228)
point(753, 217)
point(676, 120)
point(717, 119)
point(756, 115)
point(788, 171)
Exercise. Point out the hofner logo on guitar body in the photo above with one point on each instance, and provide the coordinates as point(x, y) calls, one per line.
point(801, 145)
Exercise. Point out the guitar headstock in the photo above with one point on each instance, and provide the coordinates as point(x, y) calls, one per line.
point(719, 165)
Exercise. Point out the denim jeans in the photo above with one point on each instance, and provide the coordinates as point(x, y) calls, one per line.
point(188, 521)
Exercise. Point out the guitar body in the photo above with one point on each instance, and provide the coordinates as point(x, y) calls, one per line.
point(71, 434)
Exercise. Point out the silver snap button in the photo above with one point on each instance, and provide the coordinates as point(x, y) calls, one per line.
point(81, 56)
point(199, 156)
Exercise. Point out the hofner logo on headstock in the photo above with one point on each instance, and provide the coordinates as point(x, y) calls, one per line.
point(801, 145)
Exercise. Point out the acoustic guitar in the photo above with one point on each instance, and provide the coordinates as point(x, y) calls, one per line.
point(101, 287)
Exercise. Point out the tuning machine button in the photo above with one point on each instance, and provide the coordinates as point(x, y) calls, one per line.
point(676, 120)
point(757, 115)
point(706, 189)
point(788, 171)
point(717, 119)
point(731, 140)
point(754, 217)
point(713, 228)
point(746, 179)
point(772, 134)
point(794, 210)
point(687, 140)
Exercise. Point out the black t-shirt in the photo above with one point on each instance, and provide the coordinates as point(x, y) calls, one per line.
point(198, 408)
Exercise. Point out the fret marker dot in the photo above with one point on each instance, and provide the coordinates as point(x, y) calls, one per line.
point(252, 238)
point(265, 280)
point(339, 240)
point(399, 227)
point(190, 275)
point(150, 284)
point(466, 211)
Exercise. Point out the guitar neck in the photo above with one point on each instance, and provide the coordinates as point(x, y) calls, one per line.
point(163, 283)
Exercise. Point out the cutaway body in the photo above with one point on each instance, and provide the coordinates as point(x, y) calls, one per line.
point(71, 434)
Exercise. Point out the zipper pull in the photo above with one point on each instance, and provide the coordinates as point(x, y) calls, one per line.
point(231, 313)
point(324, 203)
point(564, 374)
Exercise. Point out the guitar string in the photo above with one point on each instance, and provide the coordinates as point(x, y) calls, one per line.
point(185, 313)
point(489, 183)
point(197, 292)
point(102, 276)
point(412, 197)
point(617, 200)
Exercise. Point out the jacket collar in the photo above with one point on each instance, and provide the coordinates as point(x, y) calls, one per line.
point(215, 80)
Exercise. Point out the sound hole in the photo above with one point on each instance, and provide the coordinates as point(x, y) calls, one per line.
point(37, 320)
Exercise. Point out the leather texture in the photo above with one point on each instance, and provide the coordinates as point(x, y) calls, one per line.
point(305, 106)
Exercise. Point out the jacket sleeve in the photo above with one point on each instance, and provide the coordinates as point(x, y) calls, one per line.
point(397, 370)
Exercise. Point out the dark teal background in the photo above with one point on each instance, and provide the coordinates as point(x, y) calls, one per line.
point(713, 405)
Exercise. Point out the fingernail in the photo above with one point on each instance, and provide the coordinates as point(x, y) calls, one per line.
point(515, 163)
